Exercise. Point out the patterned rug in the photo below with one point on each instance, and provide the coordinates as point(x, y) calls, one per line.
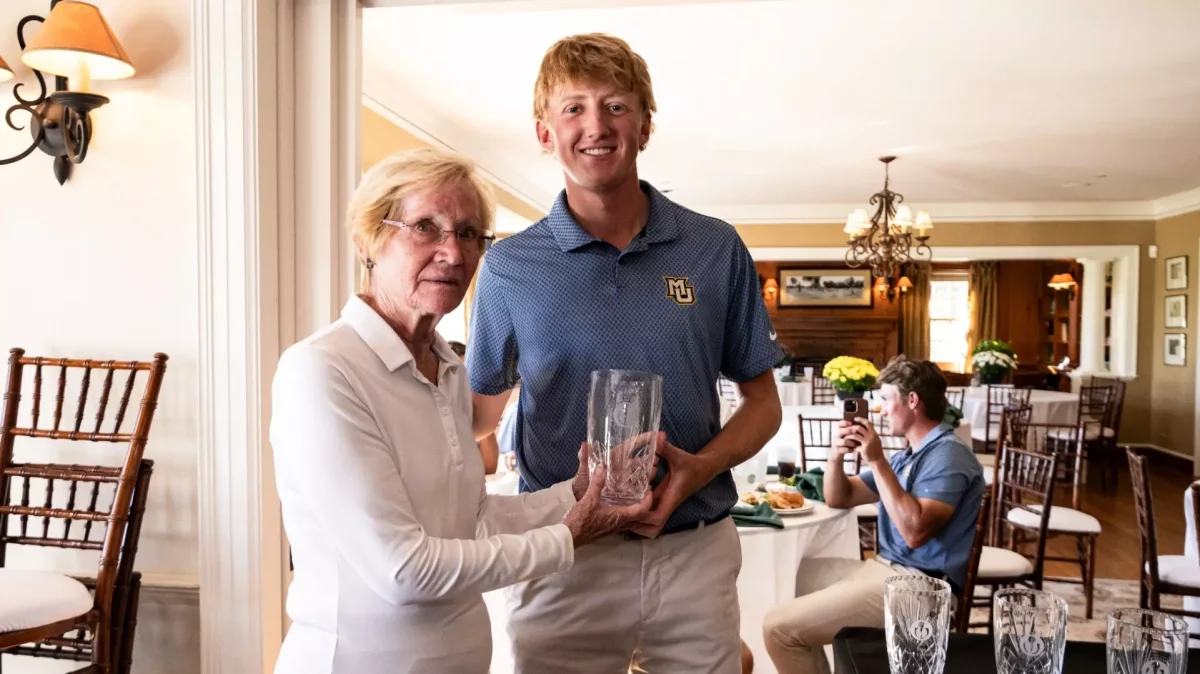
point(1109, 594)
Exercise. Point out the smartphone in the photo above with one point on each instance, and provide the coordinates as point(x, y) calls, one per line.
point(852, 410)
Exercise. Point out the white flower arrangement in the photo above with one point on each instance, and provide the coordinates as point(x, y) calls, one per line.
point(993, 360)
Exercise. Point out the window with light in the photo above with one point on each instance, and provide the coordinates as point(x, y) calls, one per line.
point(949, 321)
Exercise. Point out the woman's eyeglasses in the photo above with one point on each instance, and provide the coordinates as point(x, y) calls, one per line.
point(425, 233)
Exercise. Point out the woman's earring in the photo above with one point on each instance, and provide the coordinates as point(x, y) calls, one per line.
point(370, 264)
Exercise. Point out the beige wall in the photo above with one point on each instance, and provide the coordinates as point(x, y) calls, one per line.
point(1136, 426)
point(381, 138)
point(1174, 395)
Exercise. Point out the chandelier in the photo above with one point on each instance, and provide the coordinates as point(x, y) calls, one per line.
point(885, 241)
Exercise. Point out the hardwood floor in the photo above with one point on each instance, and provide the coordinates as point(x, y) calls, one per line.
point(1118, 553)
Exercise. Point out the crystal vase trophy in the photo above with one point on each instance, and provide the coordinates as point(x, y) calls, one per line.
point(624, 408)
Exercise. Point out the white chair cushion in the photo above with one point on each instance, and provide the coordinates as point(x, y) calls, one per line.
point(977, 432)
point(1062, 520)
point(1090, 432)
point(1178, 570)
point(1002, 563)
point(36, 598)
point(988, 476)
point(866, 511)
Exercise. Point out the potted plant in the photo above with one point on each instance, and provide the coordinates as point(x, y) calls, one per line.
point(993, 360)
point(850, 376)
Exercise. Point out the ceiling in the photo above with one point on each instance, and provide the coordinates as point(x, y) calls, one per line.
point(777, 110)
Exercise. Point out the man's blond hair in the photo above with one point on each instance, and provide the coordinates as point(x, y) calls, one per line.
point(404, 173)
point(592, 58)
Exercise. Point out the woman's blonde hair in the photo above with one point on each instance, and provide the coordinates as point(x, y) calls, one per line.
point(592, 57)
point(404, 173)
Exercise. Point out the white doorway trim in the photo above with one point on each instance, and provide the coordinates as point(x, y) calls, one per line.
point(1126, 266)
point(277, 121)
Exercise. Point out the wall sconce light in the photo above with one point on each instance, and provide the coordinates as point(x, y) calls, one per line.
point(771, 291)
point(1064, 282)
point(74, 42)
point(884, 287)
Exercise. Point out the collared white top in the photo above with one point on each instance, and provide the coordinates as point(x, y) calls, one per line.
point(393, 537)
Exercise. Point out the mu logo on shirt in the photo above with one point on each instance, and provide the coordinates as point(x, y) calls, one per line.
point(680, 290)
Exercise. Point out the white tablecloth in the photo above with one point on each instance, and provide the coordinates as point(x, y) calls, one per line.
point(1049, 407)
point(1190, 551)
point(795, 393)
point(771, 557)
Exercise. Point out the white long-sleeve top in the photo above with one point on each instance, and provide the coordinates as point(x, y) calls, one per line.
point(393, 537)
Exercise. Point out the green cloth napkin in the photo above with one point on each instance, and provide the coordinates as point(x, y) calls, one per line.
point(812, 484)
point(953, 416)
point(761, 515)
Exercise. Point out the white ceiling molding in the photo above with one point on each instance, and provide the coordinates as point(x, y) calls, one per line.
point(946, 212)
point(1177, 204)
point(957, 253)
point(429, 126)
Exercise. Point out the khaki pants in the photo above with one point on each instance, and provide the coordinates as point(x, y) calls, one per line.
point(660, 606)
point(831, 594)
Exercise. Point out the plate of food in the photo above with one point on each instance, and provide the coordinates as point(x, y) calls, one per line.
point(783, 503)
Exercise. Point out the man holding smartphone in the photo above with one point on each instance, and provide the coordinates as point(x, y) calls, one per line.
point(929, 497)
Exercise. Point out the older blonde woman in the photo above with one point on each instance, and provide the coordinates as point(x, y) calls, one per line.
point(393, 536)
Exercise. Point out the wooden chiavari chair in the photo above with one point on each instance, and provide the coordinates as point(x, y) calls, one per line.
point(999, 398)
point(1025, 483)
point(966, 599)
point(816, 444)
point(955, 397)
point(1160, 574)
point(822, 391)
point(1067, 443)
point(64, 605)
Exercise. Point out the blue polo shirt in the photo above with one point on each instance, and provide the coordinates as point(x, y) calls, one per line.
point(945, 469)
point(552, 304)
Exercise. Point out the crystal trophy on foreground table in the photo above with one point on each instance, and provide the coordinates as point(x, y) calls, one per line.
point(917, 623)
point(624, 409)
point(1146, 642)
point(1030, 632)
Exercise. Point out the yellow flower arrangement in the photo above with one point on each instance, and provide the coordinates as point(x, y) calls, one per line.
point(849, 374)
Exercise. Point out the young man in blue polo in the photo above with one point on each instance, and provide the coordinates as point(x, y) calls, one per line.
point(929, 497)
point(617, 276)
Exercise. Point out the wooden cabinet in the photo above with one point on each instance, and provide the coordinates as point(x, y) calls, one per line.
point(1041, 323)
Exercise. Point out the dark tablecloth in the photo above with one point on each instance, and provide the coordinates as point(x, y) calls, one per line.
point(862, 650)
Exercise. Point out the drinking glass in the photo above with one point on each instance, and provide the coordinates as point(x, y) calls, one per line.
point(916, 612)
point(1030, 631)
point(1146, 642)
point(624, 409)
point(786, 461)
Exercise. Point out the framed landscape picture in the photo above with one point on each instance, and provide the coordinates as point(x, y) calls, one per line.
point(1177, 273)
point(1177, 311)
point(1175, 349)
point(825, 288)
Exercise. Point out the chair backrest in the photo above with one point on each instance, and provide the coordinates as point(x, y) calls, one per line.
point(1096, 405)
point(1000, 397)
point(822, 391)
point(818, 434)
point(82, 484)
point(1013, 417)
point(1143, 501)
point(962, 617)
point(1025, 481)
point(1062, 440)
point(727, 390)
point(955, 397)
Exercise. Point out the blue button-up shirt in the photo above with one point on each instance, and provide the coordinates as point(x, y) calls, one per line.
point(553, 304)
point(944, 469)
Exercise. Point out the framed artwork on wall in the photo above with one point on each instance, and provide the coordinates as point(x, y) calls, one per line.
point(1175, 349)
point(1176, 311)
point(1177, 272)
point(825, 288)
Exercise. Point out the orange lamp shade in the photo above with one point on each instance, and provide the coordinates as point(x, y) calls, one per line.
point(6, 73)
point(881, 282)
point(76, 42)
point(904, 283)
point(771, 284)
point(1062, 281)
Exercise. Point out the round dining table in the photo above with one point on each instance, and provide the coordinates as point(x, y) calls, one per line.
point(1049, 407)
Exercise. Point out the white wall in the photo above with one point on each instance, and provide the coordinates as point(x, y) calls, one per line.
point(105, 266)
